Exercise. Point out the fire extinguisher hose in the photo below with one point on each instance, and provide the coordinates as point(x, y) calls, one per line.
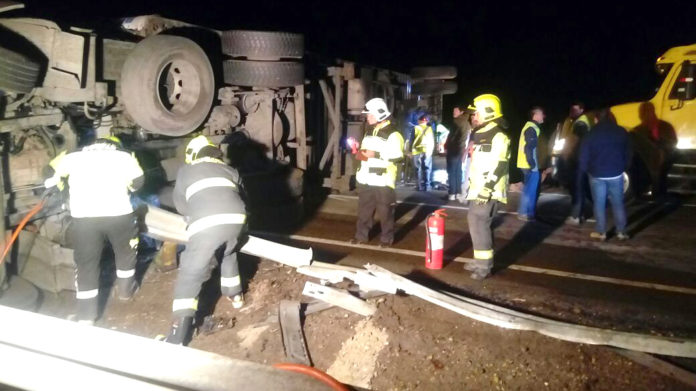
point(429, 246)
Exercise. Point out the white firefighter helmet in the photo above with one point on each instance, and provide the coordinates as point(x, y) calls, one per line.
point(378, 108)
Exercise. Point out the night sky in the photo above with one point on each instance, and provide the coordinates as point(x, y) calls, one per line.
point(529, 55)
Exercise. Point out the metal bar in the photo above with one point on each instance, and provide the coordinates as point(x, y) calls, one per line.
point(14, 124)
point(338, 131)
point(329, 102)
point(300, 128)
point(291, 329)
point(510, 319)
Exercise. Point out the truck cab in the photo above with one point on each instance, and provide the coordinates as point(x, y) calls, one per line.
point(664, 127)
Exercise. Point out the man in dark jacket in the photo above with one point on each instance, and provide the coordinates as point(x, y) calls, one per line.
point(605, 154)
point(455, 147)
point(207, 193)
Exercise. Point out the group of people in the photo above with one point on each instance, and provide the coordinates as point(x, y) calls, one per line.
point(101, 177)
point(479, 146)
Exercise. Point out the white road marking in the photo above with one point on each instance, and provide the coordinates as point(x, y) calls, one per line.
point(528, 269)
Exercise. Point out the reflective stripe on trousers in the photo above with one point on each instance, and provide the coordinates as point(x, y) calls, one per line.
point(90, 294)
point(125, 273)
point(483, 254)
point(185, 304)
point(213, 220)
point(230, 282)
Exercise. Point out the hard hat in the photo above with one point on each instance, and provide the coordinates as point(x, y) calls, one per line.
point(194, 146)
point(488, 105)
point(378, 108)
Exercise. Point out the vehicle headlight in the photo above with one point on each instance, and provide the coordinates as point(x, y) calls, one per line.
point(686, 143)
point(558, 145)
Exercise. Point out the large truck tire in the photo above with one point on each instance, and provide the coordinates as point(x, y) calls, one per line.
point(17, 72)
point(167, 85)
point(434, 87)
point(262, 45)
point(429, 73)
point(263, 74)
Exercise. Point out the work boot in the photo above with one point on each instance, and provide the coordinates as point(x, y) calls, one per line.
point(599, 236)
point(622, 236)
point(470, 266)
point(356, 241)
point(573, 220)
point(125, 288)
point(181, 331)
point(480, 274)
point(237, 300)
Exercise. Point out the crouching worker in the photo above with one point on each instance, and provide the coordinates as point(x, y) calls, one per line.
point(100, 177)
point(207, 194)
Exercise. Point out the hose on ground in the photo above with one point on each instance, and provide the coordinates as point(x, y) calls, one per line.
point(313, 372)
point(19, 228)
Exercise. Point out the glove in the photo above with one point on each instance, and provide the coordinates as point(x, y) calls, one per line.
point(49, 192)
point(50, 182)
point(483, 196)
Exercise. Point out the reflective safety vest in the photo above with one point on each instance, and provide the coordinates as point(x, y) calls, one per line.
point(521, 156)
point(99, 177)
point(388, 145)
point(583, 119)
point(423, 140)
point(491, 148)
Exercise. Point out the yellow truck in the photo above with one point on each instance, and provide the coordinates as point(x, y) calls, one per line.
point(664, 127)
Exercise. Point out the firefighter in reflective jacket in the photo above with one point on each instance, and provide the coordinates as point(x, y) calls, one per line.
point(488, 179)
point(381, 149)
point(100, 177)
point(207, 194)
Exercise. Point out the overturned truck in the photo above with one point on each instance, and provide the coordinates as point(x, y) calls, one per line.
point(154, 82)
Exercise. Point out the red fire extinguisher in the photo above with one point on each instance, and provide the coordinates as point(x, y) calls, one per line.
point(435, 239)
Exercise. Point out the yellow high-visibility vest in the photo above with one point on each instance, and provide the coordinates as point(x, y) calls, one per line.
point(388, 145)
point(521, 157)
point(423, 140)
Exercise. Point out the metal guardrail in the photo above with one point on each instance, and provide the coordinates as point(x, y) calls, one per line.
point(38, 352)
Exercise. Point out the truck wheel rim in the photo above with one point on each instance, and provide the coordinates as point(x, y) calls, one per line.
point(179, 87)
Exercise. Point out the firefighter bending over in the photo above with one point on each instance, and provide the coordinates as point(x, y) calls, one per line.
point(380, 150)
point(100, 177)
point(488, 179)
point(207, 194)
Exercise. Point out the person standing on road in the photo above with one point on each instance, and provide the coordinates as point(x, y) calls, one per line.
point(100, 178)
point(528, 162)
point(207, 193)
point(380, 150)
point(456, 149)
point(488, 179)
point(422, 149)
point(605, 154)
point(581, 126)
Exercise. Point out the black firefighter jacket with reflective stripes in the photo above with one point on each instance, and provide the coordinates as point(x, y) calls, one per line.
point(207, 193)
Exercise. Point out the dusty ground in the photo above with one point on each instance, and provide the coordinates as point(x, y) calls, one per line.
point(408, 344)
